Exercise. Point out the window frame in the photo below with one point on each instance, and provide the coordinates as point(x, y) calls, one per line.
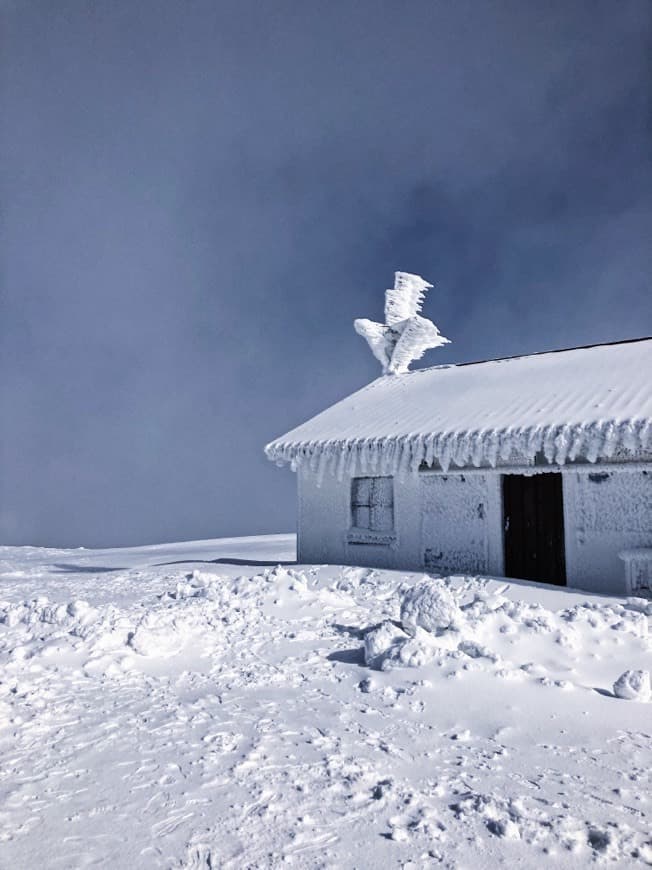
point(375, 501)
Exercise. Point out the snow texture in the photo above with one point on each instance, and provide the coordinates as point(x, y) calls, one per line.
point(379, 640)
point(429, 605)
point(405, 336)
point(633, 686)
point(585, 404)
point(202, 705)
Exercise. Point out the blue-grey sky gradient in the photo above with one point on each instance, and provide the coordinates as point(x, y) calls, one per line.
point(199, 197)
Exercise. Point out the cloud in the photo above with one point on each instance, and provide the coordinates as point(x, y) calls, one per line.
point(201, 197)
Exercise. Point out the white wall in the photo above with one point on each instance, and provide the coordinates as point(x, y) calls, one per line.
point(458, 519)
point(461, 523)
point(603, 514)
point(325, 519)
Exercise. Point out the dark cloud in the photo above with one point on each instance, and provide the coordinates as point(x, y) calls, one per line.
point(201, 196)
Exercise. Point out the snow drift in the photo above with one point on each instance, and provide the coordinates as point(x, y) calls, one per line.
point(156, 715)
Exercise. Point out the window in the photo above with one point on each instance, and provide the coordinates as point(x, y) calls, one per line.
point(372, 510)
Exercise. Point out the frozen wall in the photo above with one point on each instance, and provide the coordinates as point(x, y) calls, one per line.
point(605, 512)
point(461, 528)
point(443, 523)
point(453, 523)
point(325, 520)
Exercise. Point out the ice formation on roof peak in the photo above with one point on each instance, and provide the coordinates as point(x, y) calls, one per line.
point(405, 335)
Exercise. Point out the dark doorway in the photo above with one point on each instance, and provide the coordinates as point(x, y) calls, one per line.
point(533, 514)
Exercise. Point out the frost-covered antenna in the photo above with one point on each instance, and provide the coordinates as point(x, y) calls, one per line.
point(405, 335)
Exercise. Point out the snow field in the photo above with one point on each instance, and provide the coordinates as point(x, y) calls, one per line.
point(169, 715)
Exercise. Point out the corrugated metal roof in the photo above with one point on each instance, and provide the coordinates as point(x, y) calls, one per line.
point(557, 394)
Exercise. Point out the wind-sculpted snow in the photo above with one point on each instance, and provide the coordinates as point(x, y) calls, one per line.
point(405, 336)
point(216, 715)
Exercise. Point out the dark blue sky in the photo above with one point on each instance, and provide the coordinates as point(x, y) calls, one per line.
point(199, 197)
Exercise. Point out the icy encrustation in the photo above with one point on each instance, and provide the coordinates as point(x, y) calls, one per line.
point(406, 335)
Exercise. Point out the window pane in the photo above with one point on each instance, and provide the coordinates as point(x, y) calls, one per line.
point(383, 491)
point(361, 517)
point(382, 518)
point(372, 503)
point(361, 491)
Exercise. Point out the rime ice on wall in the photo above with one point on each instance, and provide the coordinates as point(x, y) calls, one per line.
point(606, 512)
point(454, 526)
point(440, 527)
point(615, 503)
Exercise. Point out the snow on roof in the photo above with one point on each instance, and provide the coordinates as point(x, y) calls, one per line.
point(582, 403)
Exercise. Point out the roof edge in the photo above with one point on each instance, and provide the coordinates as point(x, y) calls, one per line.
point(559, 443)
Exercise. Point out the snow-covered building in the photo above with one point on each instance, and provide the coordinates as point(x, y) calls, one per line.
point(537, 467)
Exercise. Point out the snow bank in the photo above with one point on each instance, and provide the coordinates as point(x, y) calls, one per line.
point(165, 717)
point(464, 616)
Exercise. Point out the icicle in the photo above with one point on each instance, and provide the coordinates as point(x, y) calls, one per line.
point(375, 448)
point(562, 444)
point(610, 441)
point(362, 458)
point(404, 459)
point(458, 452)
point(594, 445)
point(349, 468)
point(341, 462)
point(492, 444)
point(507, 445)
point(577, 443)
point(476, 448)
point(534, 442)
point(549, 435)
point(313, 457)
point(321, 465)
point(385, 451)
point(370, 453)
point(629, 437)
point(373, 455)
point(418, 453)
point(429, 455)
point(645, 435)
point(396, 457)
point(445, 454)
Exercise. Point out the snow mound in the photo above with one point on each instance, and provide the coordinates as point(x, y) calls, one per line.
point(75, 616)
point(379, 641)
point(471, 624)
point(642, 605)
point(154, 636)
point(386, 646)
point(633, 686)
point(430, 605)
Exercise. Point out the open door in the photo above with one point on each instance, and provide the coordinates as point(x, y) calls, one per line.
point(533, 514)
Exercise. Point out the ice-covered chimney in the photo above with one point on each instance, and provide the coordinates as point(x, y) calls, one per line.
point(405, 335)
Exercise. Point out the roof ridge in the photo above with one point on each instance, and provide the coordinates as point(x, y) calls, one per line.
point(478, 362)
